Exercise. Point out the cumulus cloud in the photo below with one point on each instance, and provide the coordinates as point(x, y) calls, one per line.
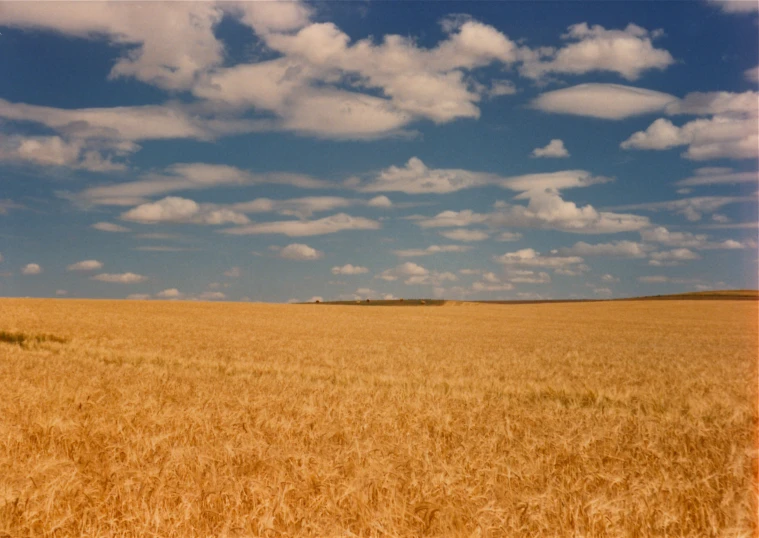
point(415, 274)
point(85, 265)
point(529, 277)
point(109, 227)
point(432, 249)
point(300, 252)
point(57, 151)
point(605, 101)
point(233, 272)
point(672, 257)
point(138, 296)
point(61, 293)
point(31, 269)
point(609, 278)
point(736, 6)
point(731, 132)
point(416, 178)
point(465, 235)
point(623, 249)
point(301, 228)
point(554, 149)
point(530, 258)
point(752, 74)
point(170, 293)
point(628, 52)
point(120, 278)
point(546, 209)
point(349, 269)
point(176, 209)
point(211, 296)
point(380, 201)
point(663, 236)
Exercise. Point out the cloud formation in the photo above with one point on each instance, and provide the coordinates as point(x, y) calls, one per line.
point(554, 149)
point(85, 265)
point(300, 252)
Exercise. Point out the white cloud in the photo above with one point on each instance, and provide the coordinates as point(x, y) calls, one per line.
point(530, 258)
point(624, 249)
point(448, 219)
point(61, 293)
point(672, 257)
point(31, 269)
point(432, 249)
point(195, 176)
point(300, 228)
point(176, 209)
point(299, 251)
point(529, 277)
point(732, 132)
point(299, 207)
point(499, 88)
point(628, 52)
point(718, 176)
point(85, 265)
point(717, 217)
point(174, 41)
point(609, 278)
point(602, 291)
point(656, 279)
point(233, 272)
point(736, 6)
point(56, 151)
point(554, 149)
point(606, 101)
point(564, 179)
point(120, 127)
point(752, 75)
point(708, 103)
point(416, 178)
point(691, 208)
point(662, 235)
point(170, 293)
point(138, 297)
point(380, 201)
point(548, 210)
point(484, 286)
point(411, 269)
point(120, 278)
point(349, 269)
point(109, 227)
point(211, 296)
point(508, 236)
point(465, 235)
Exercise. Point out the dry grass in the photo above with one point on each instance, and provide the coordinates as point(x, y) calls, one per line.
point(194, 419)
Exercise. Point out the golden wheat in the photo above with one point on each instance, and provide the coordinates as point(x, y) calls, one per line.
point(196, 419)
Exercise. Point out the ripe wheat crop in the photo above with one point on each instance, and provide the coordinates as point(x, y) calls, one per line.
point(195, 419)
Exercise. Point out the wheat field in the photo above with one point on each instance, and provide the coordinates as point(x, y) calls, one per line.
point(173, 419)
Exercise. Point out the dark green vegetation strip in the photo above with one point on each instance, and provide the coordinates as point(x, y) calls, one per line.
point(23, 339)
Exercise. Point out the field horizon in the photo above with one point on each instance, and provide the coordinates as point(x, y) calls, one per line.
point(614, 418)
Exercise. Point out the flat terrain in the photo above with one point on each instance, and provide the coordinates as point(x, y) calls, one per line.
point(633, 418)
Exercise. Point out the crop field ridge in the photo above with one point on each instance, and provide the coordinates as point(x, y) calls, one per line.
point(183, 419)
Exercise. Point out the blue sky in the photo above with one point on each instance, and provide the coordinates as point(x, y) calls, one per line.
point(272, 151)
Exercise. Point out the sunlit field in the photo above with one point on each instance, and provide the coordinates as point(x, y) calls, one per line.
point(168, 419)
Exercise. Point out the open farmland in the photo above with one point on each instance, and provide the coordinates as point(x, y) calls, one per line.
point(626, 418)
